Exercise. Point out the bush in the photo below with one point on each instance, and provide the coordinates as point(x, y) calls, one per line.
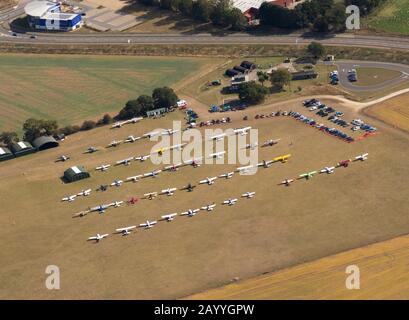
point(88, 125)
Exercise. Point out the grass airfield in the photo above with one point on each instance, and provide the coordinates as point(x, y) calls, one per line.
point(280, 227)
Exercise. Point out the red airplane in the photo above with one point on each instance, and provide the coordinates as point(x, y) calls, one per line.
point(133, 200)
point(344, 163)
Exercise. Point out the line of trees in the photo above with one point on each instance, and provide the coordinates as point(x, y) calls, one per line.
point(218, 12)
point(317, 15)
point(33, 128)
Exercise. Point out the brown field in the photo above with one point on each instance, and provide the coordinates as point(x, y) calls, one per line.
point(383, 268)
point(394, 111)
point(279, 228)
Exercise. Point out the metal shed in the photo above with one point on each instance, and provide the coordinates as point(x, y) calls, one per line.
point(75, 173)
point(45, 142)
point(22, 148)
point(5, 154)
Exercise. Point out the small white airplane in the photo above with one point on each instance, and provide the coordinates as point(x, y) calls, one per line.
point(265, 163)
point(69, 198)
point(84, 193)
point(190, 212)
point(152, 174)
point(143, 158)
point(194, 162)
point(208, 181)
point(252, 146)
point(125, 162)
point(286, 182)
point(91, 150)
point(227, 175)
point(98, 237)
point(177, 146)
point(81, 213)
point(151, 134)
point(103, 167)
point(116, 183)
point(169, 191)
point(148, 224)
point(169, 217)
point(230, 202)
point(101, 208)
point(115, 143)
point(209, 207)
point(307, 175)
point(132, 139)
point(116, 204)
point(362, 157)
point(217, 155)
point(117, 125)
point(242, 131)
point(135, 120)
point(248, 195)
point(169, 132)
point(134, 178)
point(244, 169)
point(150, 195)
point(173, 167)
point(63, 158)
point(218, 137)
point(125, 231)
point(328, 170)
point(270, 142)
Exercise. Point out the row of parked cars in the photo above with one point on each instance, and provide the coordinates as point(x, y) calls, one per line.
point(333, 131)
point(336, 116)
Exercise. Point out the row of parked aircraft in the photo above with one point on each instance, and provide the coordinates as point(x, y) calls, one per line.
point(327, 170)
point(124, 231)
point(119, 124)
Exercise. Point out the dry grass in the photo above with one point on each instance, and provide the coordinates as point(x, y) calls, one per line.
point(383, 268)
point(373, 76)
point(279, 228)
point(394, 112)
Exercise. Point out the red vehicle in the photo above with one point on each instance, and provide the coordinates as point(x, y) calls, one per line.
point(133, 200)
point(344, 163)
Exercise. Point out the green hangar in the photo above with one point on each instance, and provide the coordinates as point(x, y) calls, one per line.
point(45, 142)
point(22, 148)
point(5, 154)
point(75, 173)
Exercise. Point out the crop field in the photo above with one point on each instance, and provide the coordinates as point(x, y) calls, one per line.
point(71, 89)
point(280, 227)
point(382, 267)
point(393, 111)
point(391, 17)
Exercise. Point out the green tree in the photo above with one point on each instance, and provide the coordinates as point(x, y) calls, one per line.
point(8, 137)
point(185, 6)
point(164, 97)
point(220, 12)
point(201, 10)
point(106, 119)
point(316, 49)
point(252, 92)
point(262, 77)
point(236, 20)
point(279, 78)
point(34, 128)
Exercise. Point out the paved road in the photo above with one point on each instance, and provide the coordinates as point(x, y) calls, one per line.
point(203, 38)
point(344, 66)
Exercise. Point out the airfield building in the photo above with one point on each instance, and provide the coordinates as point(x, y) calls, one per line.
point(75, 173)
point(47, 15)
point(22, 148)
point(5, 154)
point(45, 142)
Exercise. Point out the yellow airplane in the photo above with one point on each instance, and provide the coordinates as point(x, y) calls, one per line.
point(283, 158)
